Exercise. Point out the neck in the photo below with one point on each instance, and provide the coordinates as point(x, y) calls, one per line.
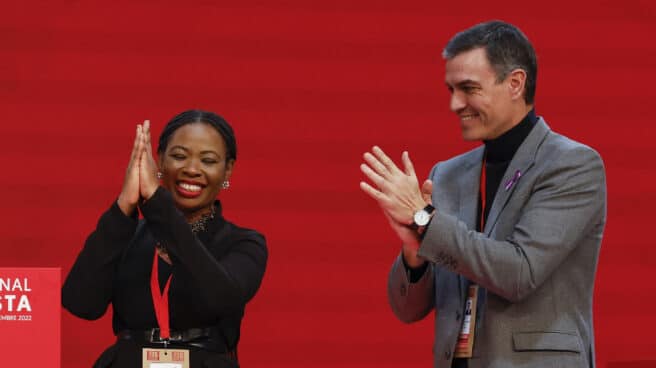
point(515, 116)
point(520, 113)
point(194, 216)
point(503, 147)
point(524, 110)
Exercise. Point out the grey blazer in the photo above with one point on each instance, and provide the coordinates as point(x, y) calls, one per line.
point(536, 260)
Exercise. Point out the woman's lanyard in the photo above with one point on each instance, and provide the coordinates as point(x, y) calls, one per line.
point(160, 301)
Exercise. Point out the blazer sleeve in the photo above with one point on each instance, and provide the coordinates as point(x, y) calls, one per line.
point(410, 301)
point(228, 282)
point(87, 289)
point(566, 204)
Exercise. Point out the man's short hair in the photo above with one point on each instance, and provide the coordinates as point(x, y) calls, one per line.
point(506, 47)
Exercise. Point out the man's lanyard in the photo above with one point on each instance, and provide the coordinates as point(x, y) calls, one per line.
point(160, 301)
point(483, 192)
point(465, 343)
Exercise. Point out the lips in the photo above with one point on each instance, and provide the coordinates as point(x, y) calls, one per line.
point(189, 189)
point(468, 117)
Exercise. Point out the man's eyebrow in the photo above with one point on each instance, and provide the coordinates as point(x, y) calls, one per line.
point(462, 83)
point(467, 81)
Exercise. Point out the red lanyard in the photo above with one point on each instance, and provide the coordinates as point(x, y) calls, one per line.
point(483, 193)
point(160, 301)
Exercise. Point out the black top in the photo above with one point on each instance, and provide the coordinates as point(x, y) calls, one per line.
point(214, 273)
point(498, 154)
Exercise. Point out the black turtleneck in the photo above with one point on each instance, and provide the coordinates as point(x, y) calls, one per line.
point(498, 154)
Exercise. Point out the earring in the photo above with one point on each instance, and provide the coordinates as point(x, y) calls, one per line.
point(225, 184)
point(159, 175)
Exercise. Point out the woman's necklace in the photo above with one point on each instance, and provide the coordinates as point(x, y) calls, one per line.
point(200, 225)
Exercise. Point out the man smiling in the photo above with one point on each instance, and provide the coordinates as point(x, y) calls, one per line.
point(502, 241)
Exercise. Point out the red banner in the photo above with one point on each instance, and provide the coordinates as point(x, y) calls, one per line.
point(30, 314)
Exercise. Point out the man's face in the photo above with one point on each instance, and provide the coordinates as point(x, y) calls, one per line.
point(483, 105)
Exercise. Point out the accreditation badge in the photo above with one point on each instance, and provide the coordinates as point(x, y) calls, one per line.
point(165, 358)
point(465, 345)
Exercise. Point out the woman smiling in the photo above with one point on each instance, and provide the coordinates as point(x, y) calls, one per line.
point(179, 279)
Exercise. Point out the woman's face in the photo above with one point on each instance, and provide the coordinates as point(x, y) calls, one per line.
point(194, 166)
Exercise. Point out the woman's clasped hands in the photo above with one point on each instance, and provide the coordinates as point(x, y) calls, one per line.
point(141, 180)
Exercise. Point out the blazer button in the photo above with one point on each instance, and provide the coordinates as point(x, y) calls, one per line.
point(403, 290)
point(447, 354)
point(458, 316)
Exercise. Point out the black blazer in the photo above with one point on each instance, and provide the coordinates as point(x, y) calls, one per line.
point(214, 274)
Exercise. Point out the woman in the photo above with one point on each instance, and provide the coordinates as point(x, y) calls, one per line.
point(183, 250)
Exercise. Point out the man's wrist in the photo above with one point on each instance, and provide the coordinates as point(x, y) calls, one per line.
point(410, 256)
point(414, 273)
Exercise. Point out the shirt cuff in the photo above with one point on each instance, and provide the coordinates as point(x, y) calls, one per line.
point(414, 274)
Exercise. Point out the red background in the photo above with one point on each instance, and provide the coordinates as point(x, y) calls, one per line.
point(309, 86)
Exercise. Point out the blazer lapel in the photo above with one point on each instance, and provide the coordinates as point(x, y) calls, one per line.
point(522, 161)
point(468, 184)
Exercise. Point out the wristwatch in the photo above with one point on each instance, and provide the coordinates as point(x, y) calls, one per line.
point(422, 217)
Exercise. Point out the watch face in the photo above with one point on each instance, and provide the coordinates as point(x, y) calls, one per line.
point(421, 218)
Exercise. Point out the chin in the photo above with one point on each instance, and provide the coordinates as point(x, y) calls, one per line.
point(187, 205)
point(471, 136)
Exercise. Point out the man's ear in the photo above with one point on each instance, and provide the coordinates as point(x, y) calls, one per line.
point(517, 83)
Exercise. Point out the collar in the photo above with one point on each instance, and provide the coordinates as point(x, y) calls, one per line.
point(503, 148)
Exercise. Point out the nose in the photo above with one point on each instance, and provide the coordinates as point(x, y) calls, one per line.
point(191, 167)
point(457, 102)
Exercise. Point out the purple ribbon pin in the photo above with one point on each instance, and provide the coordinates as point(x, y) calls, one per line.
point(513, 180)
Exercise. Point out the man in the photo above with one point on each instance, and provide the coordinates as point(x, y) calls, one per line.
point(503, 240)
